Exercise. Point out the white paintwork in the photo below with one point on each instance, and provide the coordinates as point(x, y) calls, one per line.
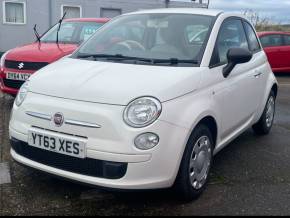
point(92, 81)
point(98, 92)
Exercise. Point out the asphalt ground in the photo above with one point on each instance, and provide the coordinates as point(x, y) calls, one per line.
point(250, 177)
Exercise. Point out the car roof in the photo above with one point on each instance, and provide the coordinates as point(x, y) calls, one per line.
point(265, 33)
point(197, 11)
point(93, 20)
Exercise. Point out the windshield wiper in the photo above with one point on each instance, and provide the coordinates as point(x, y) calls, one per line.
point(36, 33)
point(117, 57)
point(59, 26)
point(175, 61)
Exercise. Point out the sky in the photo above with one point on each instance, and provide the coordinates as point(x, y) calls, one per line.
point(275, 10)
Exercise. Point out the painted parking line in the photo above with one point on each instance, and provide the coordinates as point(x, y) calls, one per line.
point(5, 177)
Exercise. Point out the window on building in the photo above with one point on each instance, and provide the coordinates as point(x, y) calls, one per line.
point(14, 12)
point(72, 11)
point(110, 12)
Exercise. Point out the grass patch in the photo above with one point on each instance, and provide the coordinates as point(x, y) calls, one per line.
point(218, 180)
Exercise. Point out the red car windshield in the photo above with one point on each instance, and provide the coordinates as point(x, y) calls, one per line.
point(71, 32)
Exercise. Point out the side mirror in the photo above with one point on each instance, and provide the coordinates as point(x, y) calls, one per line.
point(236, 56)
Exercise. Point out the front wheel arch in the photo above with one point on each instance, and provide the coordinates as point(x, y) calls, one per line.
point(182, 185)
point(211, 123)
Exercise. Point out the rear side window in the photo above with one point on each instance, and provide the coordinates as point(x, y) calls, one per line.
point(231, 35)
point(254, 44)
point(287, 40)
point(272, 41)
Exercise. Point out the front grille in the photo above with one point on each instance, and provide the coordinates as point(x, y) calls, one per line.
point(14, 84)
point(86, 167)
point(19, 65)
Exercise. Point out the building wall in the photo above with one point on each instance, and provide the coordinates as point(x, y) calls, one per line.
point(15, 35)
point(45, 13)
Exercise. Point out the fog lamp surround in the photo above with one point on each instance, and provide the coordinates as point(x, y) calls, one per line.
point(22, 93)
point(146, 141)
point(142, 112)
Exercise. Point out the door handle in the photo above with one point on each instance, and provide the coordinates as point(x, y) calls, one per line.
point(258, 75)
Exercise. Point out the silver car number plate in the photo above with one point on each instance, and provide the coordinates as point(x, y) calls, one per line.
point(18, 76)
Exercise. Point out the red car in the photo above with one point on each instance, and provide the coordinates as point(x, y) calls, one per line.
point(277, 48)
point(18, 64)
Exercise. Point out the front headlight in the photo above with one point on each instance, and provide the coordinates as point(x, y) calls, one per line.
point(142, 112)
point(2, 60)
point(21, 94)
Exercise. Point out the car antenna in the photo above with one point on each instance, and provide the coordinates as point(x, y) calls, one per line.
point(59, 26)
point(36, 33)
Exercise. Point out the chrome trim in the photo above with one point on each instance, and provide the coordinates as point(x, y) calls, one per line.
point(82, 124)
point(39, 115)
point(68, 122)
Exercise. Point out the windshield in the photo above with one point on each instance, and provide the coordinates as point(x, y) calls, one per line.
point(71, 32)
point(177, 37)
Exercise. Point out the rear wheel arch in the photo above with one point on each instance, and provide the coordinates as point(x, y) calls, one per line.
point(275, 89)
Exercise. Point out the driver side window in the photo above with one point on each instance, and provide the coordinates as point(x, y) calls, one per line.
point(231, 35)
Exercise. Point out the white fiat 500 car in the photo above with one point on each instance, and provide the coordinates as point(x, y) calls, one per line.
point(143, 106)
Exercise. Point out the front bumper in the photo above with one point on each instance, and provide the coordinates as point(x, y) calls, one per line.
point(11, 87)
point(114, 143)
point(7, 90)
point(88, 166)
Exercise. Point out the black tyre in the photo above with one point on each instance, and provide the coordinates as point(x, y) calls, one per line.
point(264, 126)
point(196, 164)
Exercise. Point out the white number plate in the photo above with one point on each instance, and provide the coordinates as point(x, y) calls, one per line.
point(18, 76)
point(61, 145)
